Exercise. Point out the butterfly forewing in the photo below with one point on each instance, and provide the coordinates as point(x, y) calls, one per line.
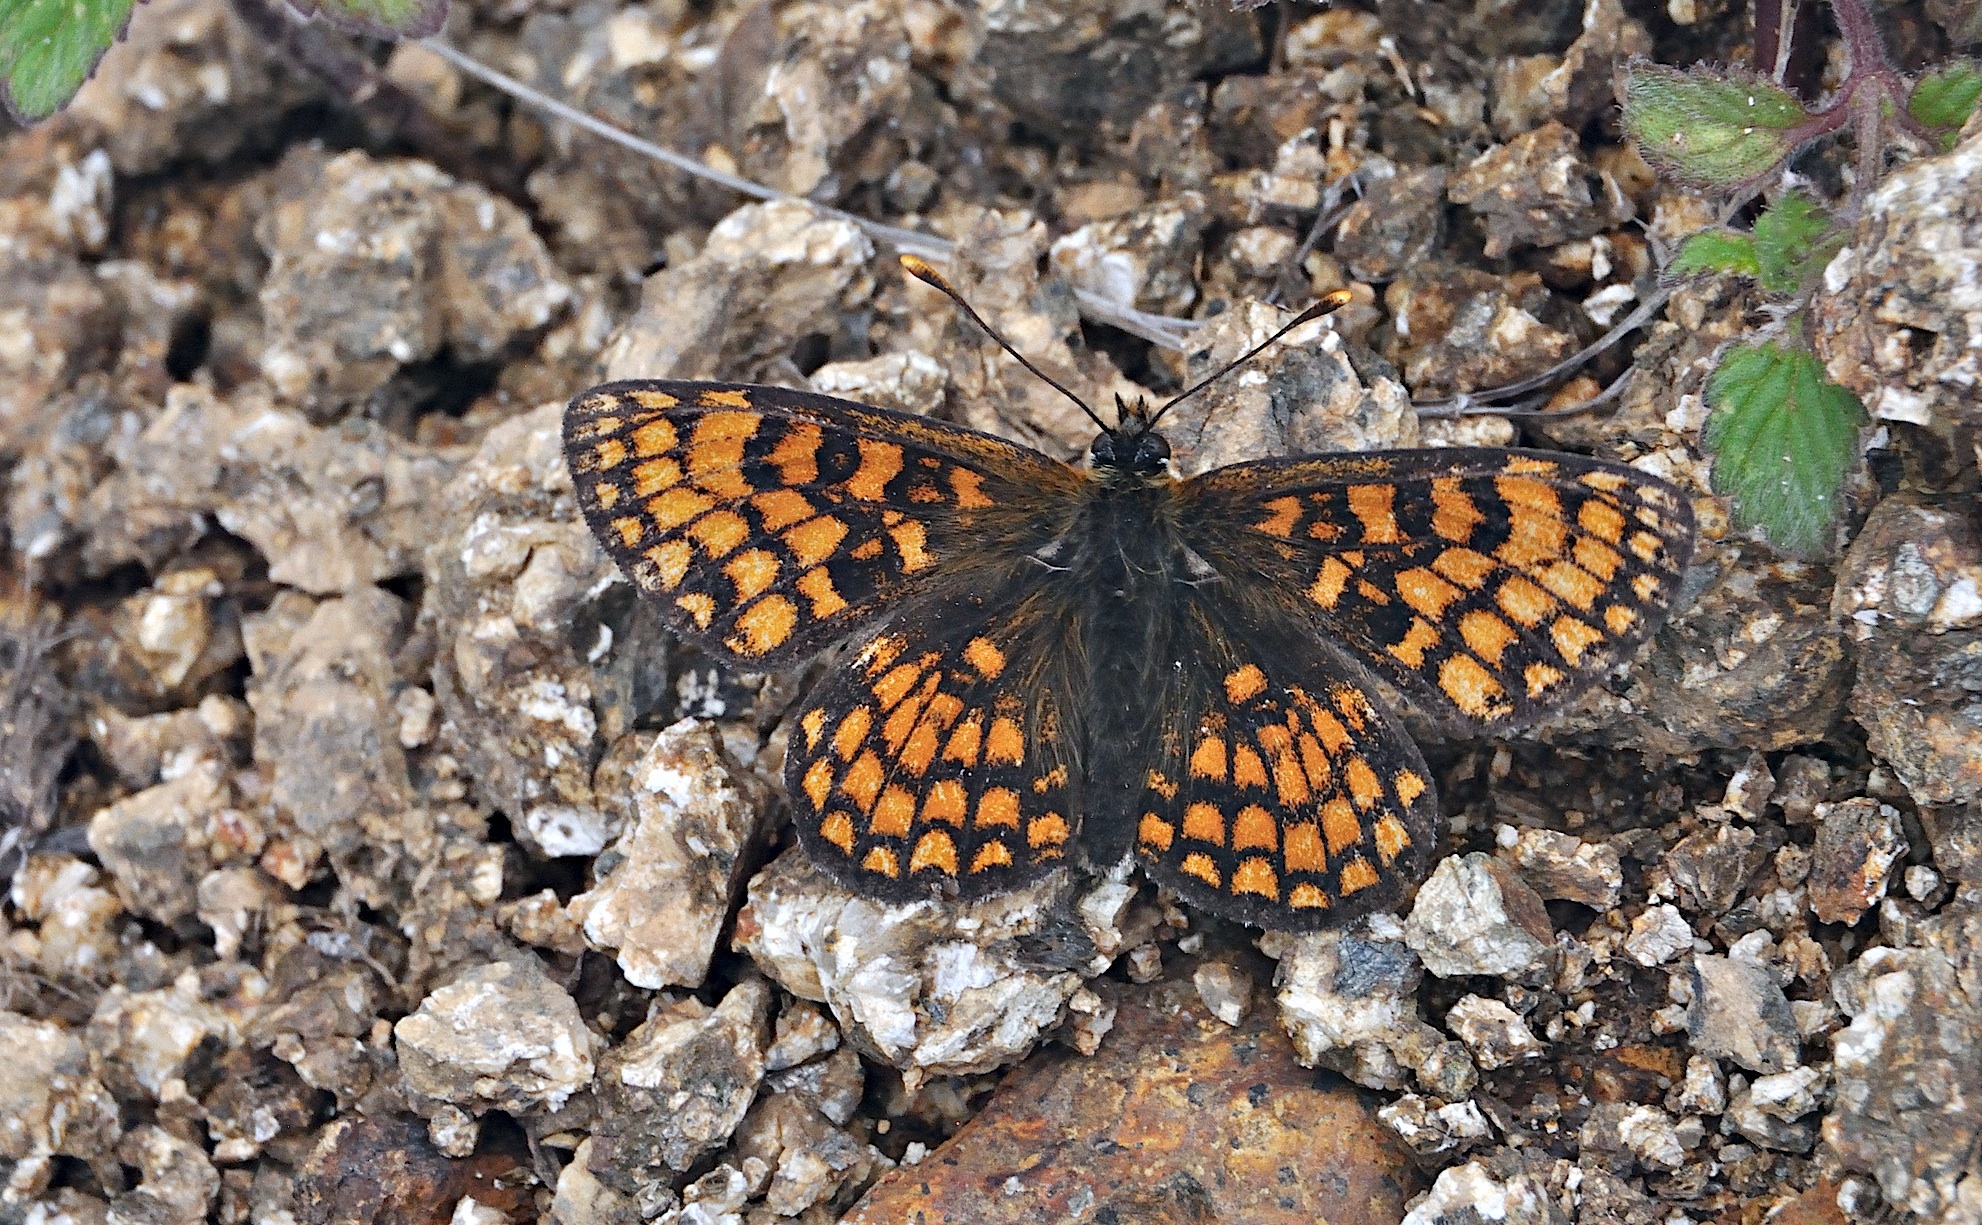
point(1491, 585)
point(772, 523)
point(936, 756)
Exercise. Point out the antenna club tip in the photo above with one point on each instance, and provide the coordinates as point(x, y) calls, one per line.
point(919, 268)
point(1336, 299)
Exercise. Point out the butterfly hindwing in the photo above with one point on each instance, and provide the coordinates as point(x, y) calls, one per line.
point(1279, 794)
point(1490, 585)
point(936, 756)
point(772, 523)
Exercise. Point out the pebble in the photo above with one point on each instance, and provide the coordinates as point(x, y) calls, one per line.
point(1495, 1033)
point(500, 1036)
point(1475, 916)
point(1738, 1012)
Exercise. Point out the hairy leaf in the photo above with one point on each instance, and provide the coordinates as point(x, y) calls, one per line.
point(1946, 97)
point(1782, 437)
point(48, 48)
point(1717, 251)
point(1709, 125)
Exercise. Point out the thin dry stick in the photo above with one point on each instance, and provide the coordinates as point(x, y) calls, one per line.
point(1469, 403)
point(1157, 329)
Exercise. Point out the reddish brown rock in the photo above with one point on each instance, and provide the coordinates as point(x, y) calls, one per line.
point(1179, 1118)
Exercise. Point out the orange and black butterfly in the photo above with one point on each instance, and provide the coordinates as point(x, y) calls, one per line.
point(1053, 663)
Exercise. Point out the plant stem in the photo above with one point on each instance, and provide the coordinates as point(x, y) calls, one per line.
point(1862, 44)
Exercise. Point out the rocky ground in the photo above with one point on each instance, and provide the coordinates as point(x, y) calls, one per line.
point(376, 858)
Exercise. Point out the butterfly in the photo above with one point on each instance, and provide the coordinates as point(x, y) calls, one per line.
point(1049, 663)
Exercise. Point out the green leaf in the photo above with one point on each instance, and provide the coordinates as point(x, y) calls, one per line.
point(1946, 97)
point(1709, 125)
point(48, 48)
point(1782, 437)
point(1717, 251)
point(1793, 241)
point(379, 18)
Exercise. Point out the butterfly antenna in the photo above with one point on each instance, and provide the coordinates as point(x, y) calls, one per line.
point(921, 271)
point(1332, 301)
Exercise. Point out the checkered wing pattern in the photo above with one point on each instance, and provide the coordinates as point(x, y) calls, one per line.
point(938, 755)
point(1282, 795)
point(1491, 585)
point(771, 523)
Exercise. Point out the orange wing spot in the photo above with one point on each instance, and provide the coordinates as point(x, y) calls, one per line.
point(946, 803)
point(796, 455)
point(814, 723)
point(1248, 770)
point(1464, 567)
point(983, 655)
point(1199, 865)
point(880, 462)
point(964, 741)
point(1363, 785)
point(934, 850)
point(1375, 507)
point(998, 806)
point(1290, 782)
point(1486, 635)
point(1644, 546)
point(1204, 823)
point(1285, 513)
point(852, 732)
point(882, 862)
point(1307, 897)
point(700, 607)
point(1334, 737)
point(1244, 684)
point(1573, 584)
point(715, 453)
point(655, 475)
point(630, 531)
point(1471, 687)
point(1526, 492)
point(720, 531)
point(753, 571)
point(1391, 838)
point(904, 717)
point(1339, 824)
point(1520, 599)
point(814, 540)
point(1529, 463)
point(607, 494)
point(1208, 759)
point(1371, 592)
point(866, 550)
point(1353, 703)
point(1254, 829)
point(863, 779)
point(924, 493)
point(656, 437)
point(893, 813)
point(911, 541)
point(1532, 539)
point(1357, 875)
point(727, 397)
point(1304, 852)
point(1409, 786)
point(670, 562)
point(1049, 830)
point(838, 830)
point(1426, 592)
point(878, 654)
point(1645, 587)
point(991, 855)
point(1603, 479)
point(1418, 639)
point(780, 508)
point(647, 397)
point(1573, 637)
point(1329, 583)
point(1154, 832)
point(919, 750)
point(1541, 678)
point(895, 685)
point(1004, 745)
point(676, 507)
point(1602, 520)
point(766, 626)
point(1619, 618)
point(1256, 876)
point(969, 489)
point(1316, 763)
point(1160, 785)
point(819, 783)
point(1454, 514)
point(817, 586)
point(1056, 777)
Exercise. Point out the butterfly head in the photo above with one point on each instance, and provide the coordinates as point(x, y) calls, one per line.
point(1132, 447)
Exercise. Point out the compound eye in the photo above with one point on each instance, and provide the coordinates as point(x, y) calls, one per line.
point(1151, 451)
point(1102, 453)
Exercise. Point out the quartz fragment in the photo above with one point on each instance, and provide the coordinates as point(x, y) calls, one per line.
point(500, 1036)
point(1739, 1012)
point(1474, 916)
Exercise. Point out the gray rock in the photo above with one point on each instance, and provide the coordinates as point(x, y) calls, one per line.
point(1225, 989)
point(1646, 1133)
point(1659, 934)
point(1739, 1012)
point(500, 1036)
point(50, 1104)
point(1562, 866)
point(1349, 1002)
point(1397, 223)
point(1495, 1033)
point(1859, 843)
point(1475, 916)
point(1537, 191)
point(155, 843)
point(1468, 1193)
point(1710, 867)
